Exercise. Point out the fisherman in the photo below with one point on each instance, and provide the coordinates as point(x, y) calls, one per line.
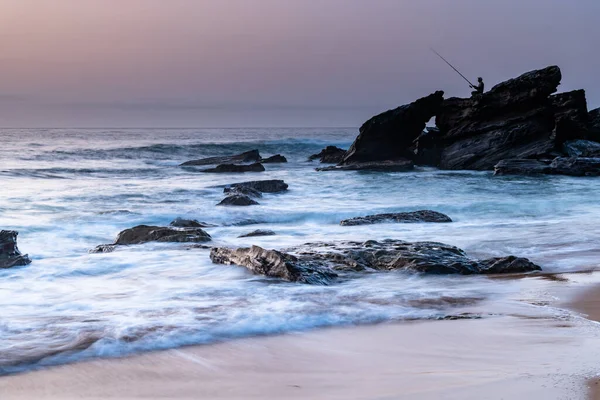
point(478, 88)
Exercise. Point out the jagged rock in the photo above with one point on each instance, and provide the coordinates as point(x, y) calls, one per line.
point(229, 168)
point(188, 223)
point(576, 166)
point(266, 186)
point(570, 115)
point(405, 217)
point(273, 264)
point(103, 248)
point(389, 135)
point(10, 256)
point(258, 232)
point(144, 234)
point(237, 200)
point(242, 190)
point(277, 158)
point(521, 167)
point(582, 148)
point(320, 259)
point(385, 166)
point(594, 125)
point(248, 156)
point(329, 155)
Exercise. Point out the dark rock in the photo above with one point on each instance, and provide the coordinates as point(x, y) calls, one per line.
point(273, 264)
point(507, 265)
point(428, 147)
point(229, 168)
point(188, 223)
point(385, 166)
point(405, 217)
point(266, 186)
point(329, 155)
point(103, 248)
point(582, 148)
point(388, 136)
point(576, 166)
point(248, 156)
point(258, 232)
point(594, 125)
point(144, 234)
point(243, 190)
point(237, 200)
point(521, 167)
point(570, 115)
point(10, 256)
point(277, 158)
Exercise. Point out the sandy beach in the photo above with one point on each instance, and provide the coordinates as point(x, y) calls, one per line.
point(503, 357)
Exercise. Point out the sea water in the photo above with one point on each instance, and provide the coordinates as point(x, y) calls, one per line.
point(67, 191)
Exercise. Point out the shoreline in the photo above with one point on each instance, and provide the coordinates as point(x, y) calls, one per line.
point(509, 356)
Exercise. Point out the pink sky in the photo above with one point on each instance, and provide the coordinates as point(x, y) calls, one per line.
point(176, 63)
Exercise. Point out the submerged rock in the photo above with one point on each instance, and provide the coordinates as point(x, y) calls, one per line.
point(258, 232)
point(277, 158)
point(237, 200)
point(248, 156)
point(10, 256)
point(507, 265)
point(383, 166)
point(266, 186)
point(405, 217)
point(103, 248)
point(145, 234)
point(243, 190)
point(582, 148)
point(188, 223)
point(329, 155)
point(235, 168)
point(273, 264)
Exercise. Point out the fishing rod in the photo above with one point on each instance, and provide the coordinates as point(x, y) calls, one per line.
point(452, 66)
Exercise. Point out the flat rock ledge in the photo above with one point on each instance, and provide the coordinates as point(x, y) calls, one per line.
point(385, 166)
point(10, 256)
point(569, 166)
point(321, 263)
point(404, 217)
point(258, 232)
point(234, 168)
point(248, 156)
point(265, 186)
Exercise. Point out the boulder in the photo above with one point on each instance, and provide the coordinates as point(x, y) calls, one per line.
point(246, 157)
point(10, 256)
point(507, 265)
point(258, 232)
point(273, 264)
point(237, 200)
point(405, 217)
point(389, 135)
point(145, 234)
point(235, 168)
point(582, 148)
point(277, 158)
point(329, 155)
point(575, 166)
point(188, 223)
point(401, 165)
point(242, 190)
point(266, 186)
point(521, 167)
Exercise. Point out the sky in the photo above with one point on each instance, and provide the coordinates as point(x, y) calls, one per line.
point(273, 63)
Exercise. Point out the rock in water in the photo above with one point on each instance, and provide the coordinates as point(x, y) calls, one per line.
point(401, 165)
point(242, 190)
point(277, 158)
point(521, 167)
point(229, 168)
point(144, 234)
point(507, 265)
point(329, 155)
point(188, 223)
point(266, 186)
point(237, 200)
point(10, 256)
point(389, 136)
point(576, 166)
point(249, 156)
point(103, 248)
point(405, 217)
point(258, 232)
point(582, 148)
point(273, 264)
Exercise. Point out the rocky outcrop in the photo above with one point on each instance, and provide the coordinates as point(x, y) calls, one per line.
point(188, 223)
point(582, 148)
point(315, 262)
point(277, 158)
point(266, 186)
point(575, 166)
point(145, 234)
point(401, 165)
point(10, 256)
point(405, 217)
point(594, 125)
point(237, 200)
point(235, 168)
point(388, 136)
point(273, 264)
point(521, 167)
point(251, 156)
point(329, 155)
point(258, 232)
point(570, 116)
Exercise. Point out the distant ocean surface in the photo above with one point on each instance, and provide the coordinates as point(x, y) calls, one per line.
point(66, 191)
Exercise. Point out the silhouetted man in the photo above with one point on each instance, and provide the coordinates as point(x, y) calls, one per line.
point(478, 88)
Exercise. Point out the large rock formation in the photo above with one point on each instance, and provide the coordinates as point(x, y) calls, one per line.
point(246, 157)
point(405, 217)
point(10, 256)
point(389, 136)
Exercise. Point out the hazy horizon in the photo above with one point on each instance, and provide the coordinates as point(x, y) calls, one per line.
point(272, 63)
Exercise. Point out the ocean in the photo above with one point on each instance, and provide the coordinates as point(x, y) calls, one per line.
point(68, 190)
